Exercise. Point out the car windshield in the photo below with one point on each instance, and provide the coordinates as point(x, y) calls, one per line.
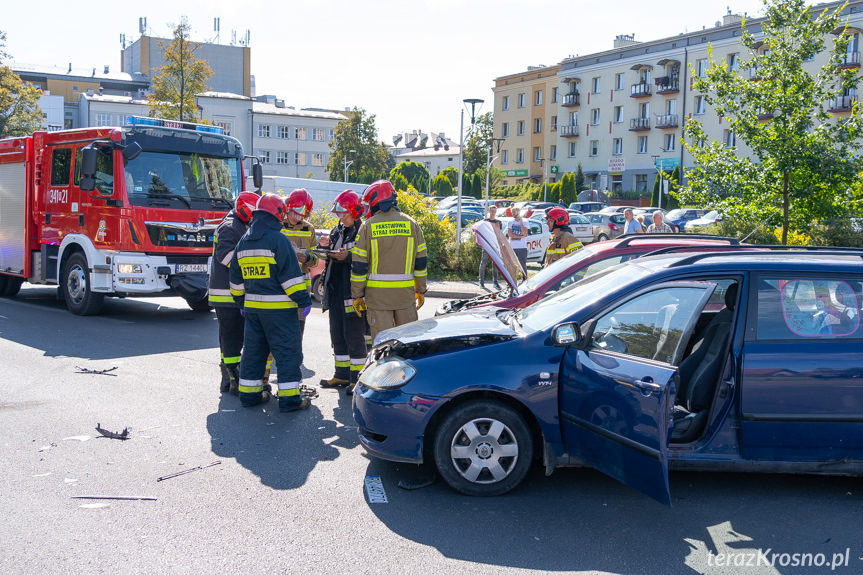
point(570, 261)
point(559, 306)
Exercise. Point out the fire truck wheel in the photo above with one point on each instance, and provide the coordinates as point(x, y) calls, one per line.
point(10, 286)
point(201, 306)
point(80, 299)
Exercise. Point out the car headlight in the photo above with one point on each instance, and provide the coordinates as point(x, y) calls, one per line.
point(129, 268)
point(390, 373)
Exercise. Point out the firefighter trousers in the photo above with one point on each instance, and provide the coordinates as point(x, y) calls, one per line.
point(231, 324)
point(347, 332)
point(381, 319)
point(276, 332)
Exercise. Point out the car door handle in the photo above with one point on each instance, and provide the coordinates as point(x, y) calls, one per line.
point(647, 386)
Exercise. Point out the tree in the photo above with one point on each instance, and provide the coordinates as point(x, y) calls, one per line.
point(176, 84)
point(441, 186)
point(567, 188)
point(451, 174)
point(20, 114)
point(579, 180)
point(802, 156)
point(357, 140)
point(475, 153)
point(414, 172)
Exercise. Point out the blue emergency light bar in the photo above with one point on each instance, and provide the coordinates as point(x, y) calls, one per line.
point(142, 121)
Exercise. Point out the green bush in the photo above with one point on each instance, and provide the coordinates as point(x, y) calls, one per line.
point(438, 234)
point(323, 219)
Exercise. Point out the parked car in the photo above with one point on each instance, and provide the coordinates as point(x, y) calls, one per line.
point(581, 228)
point(537, 239)
point(500, 204)
point(527, 209)
point(586, 207)
point(697, 225)
point(575, 266)
point(606, 226)
point(468, 217)
point(677, 218)
point(616, 209)
point(317, 271)
point(740, 360)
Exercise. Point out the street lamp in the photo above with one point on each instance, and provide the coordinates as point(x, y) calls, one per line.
point(544, 179)
point(497, 143)
point(348, 164)
point(473, 103)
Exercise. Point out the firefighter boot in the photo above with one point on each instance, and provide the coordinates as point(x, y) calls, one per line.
point(333, 382)
point(225, 384)
point(294, 403)
point(234, 375)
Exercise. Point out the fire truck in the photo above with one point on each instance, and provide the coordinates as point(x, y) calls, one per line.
point(116, 211)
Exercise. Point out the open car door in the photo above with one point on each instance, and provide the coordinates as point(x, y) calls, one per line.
point(618, 383)
point(491, 240)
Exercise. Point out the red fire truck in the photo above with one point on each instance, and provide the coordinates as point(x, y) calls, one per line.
point(115, 211)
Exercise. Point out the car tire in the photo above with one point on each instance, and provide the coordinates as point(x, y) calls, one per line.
point(498, 457)
point(602, 238)
point(80, 299)
point(318, 288)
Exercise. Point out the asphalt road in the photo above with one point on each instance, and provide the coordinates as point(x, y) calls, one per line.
point(288, 493)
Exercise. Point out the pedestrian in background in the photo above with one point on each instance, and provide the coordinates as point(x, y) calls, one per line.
point(516, 231)
point(659, 226)
point(632, 226)
point(492, 219)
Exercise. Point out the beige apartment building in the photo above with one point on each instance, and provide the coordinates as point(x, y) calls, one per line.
point(620, 113)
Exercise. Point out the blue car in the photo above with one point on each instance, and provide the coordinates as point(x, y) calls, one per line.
point(678, 218)
point(744, 360)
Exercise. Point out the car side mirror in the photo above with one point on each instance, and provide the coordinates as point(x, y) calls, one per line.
point(132, 151)
point(257, 176)
point(566, 334)
point(87, 182)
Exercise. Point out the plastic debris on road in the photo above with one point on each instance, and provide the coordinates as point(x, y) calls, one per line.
point(81, 438)
point(123, 435)
point(375, 489)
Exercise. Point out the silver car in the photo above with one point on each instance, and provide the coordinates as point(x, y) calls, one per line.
point(606, 226)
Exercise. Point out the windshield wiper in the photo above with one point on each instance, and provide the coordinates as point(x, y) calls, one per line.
point(160, 195)
point(222, 200)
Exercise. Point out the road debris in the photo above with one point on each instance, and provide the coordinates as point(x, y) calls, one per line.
point(47, 447)
point(42, 474)
point(81, 438)
point(169, 476)
point(95, 505)
point(116, 497)
point(69, 480)
point(124, 435)
point(97, 371)
point(310, 392)
point(375, 489)
point(418, 482)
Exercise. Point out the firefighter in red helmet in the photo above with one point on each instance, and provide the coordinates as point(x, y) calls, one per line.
point(562, 241)
point(347, 329)
point(231, 322)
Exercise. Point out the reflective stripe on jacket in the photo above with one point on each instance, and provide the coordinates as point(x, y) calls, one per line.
point(564, 244)
point(225, 240)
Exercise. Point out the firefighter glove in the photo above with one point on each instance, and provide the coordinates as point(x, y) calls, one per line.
point(421, 299)
point(305, 311)
point(359, 306)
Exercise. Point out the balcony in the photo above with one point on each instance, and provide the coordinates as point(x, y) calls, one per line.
point(639, 124)
point(841, 103)
point(570, 100)
point(850, 60)
point(569, 131)
point(640, 90)
point(666, 121)
point(667, 85)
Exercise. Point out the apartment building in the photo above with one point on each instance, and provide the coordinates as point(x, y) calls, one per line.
point(620, 113)
point(526, 116)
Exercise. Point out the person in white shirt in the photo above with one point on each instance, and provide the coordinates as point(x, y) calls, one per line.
point(516, 231)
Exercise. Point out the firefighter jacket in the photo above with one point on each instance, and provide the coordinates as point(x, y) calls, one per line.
point(562, 243)
point(302, 235)
point(225, 240)
point(389, 261)
point(337, 274)
point(265, 273)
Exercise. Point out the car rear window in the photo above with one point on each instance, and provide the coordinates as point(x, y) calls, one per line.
point(795, 308)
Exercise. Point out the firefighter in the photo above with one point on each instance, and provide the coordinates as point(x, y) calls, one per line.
point(562, 240)
point(347, 330)
point(388, 267)
point(301, 234)
point(228, 313)
point(267, 281)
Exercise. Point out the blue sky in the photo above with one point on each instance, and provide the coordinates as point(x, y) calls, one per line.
point(409, 62)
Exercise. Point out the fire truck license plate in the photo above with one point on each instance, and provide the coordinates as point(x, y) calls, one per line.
point(181, 268)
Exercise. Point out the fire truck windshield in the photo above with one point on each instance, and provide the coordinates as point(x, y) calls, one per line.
point(183, 180)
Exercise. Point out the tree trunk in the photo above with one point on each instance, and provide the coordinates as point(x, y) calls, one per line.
point(785, 209)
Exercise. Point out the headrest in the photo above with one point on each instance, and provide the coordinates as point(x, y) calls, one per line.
point(731, 296)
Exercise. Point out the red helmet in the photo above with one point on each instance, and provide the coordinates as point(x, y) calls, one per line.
point(558, 215)
point(378, 192)
point(348, 202)
point(273, 204)
point(300, 202)
point(245, 205)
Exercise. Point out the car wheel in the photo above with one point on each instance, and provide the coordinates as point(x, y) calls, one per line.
point(80, 299)
point(318, 288)
point(602, 238)
point(12, 287)
point(483, 448)
point(200, 306)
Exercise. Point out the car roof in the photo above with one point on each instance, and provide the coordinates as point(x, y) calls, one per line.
point(784, 258)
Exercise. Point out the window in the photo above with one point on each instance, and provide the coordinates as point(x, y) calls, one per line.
point(644, 76)
point(596, 85)
point(318, 134)
point(642, 144)
point(300, 133)
point(537, 125)
point(519, 156)
point(318, 159)
point(300, 158)
point(594, 116)
point(332, 134)
point(521, 100)
point(594, 147)
point(620, 81)
point(700, 105)
point(282, 158)
point(284, 132)
point(537, 154)
point(520, 127)
point(504, 129)
point(644, 110)
point(671, 107)
point(795, 308)
point(617, 146)
point(728, 139)
point(572, 149)
point(103, 119)
point(701, 68)
point(504, 157)
point(61, 166)
point(573, 118)
point(554, 123)
point(670, 140)
point(505, 105)
point(265, 156)
point(226, 126)
point(640, 182)
point(537, 100)
point(553, 153)
point(618, 114)
point(263, 130)
point(554, 95)
point(733, 62)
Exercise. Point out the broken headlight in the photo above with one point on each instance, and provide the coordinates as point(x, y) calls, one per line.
point(390, 373)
